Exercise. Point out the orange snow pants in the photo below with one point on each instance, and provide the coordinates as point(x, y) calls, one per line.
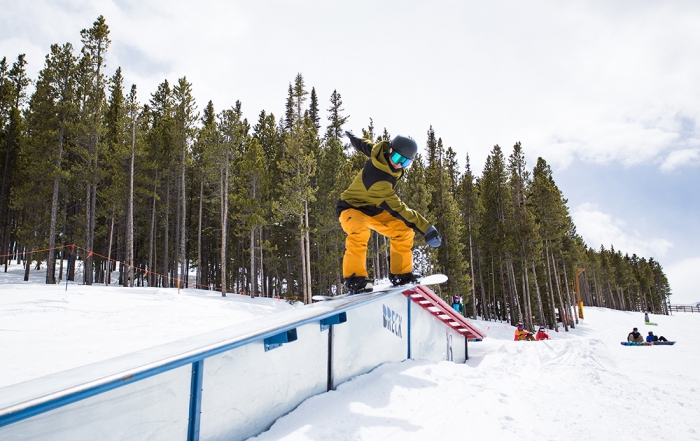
point(357, 225)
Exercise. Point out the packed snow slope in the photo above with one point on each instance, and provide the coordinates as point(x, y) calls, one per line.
point(46, 329)
point(581, 385)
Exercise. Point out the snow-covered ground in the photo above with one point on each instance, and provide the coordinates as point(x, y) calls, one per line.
point(581, 385)
point(46, 329)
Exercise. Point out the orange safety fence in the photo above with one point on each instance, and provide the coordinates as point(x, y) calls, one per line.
point(174, 281)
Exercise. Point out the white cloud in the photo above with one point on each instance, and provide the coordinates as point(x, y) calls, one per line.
point(572, 80)
point(679, 158)
point(598, 228)
point(683, 278)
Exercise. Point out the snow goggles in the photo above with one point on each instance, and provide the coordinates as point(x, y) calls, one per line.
point(398, 159)
point(520, 326)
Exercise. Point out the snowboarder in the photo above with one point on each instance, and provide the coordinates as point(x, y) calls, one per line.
point(635, 336)
point(542, 334)
point(371, 203)
point(521, 334)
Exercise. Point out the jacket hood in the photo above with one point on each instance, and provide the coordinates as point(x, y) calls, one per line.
point(380, 160)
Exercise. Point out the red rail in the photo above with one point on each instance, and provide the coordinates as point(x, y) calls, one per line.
point(431, 302)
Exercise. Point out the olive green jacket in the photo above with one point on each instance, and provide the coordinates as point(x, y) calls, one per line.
point(374, 188)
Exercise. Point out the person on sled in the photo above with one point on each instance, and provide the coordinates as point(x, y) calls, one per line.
point(635, 336)
point(371, 203)
point(521, 334)
point(542, 334)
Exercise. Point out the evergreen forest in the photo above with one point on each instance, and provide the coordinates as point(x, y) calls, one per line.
point(170, 192)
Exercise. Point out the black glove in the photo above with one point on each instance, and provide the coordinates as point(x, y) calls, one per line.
point(432, 237)
point(349, 134)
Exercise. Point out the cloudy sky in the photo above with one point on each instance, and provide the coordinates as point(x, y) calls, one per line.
point(607, 92)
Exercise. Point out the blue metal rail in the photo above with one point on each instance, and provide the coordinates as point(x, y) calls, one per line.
point(22, 410)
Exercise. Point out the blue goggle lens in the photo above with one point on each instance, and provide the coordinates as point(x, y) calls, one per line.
point(401, 160)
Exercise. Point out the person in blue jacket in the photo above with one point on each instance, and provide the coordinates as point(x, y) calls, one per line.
point(651, 337)
point(457, 303)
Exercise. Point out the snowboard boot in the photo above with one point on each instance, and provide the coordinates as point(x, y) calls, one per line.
point(358, 284)
point(404, 279)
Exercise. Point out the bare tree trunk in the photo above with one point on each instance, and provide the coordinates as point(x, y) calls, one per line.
point(302, 255)
point(253, 277)
point(264, 290)
point(562, 308)
point(130, 212)
point(485, 310)
point(166, 238)
point(51, 261)
point(224, 220)
point(90, 208)
point(539, 296)
point(183, 217)
point(151, 240)
point(199, 235)
point(109, 250)
point(571, 302)
point(87, 262)
point(514, 286)
point(471, 268)
point(308, 253)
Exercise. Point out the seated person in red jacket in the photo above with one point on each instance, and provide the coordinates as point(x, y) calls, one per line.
point(542, 335)
point(521, 334)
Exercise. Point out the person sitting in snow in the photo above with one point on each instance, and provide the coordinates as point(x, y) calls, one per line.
point(541, 334)
point(635, 336)
point(652, 338)
point(521, 334)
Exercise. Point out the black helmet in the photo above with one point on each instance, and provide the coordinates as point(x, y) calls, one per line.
point(405, 145)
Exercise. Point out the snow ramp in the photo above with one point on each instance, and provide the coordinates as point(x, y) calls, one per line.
point(233, 383)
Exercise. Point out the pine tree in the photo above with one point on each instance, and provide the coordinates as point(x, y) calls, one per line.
point(132, 108)
point(95, 45)
point(161, 155)
point(298, 166)
point(51, 108)
point(526, 244)
point(185, 117)
point(116, 153)
point(14, 86)
point(445, 212)
point(337, 120)
point(552, 218)
point(313, 110)
point(468, 201)
point(493, 227)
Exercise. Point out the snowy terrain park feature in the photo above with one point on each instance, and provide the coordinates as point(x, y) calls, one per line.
point(228, 383)
point(581, 384)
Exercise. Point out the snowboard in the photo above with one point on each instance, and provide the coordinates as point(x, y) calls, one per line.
point(665, 343)
point(433, 279)
point(635, 343)
point(651, 324)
